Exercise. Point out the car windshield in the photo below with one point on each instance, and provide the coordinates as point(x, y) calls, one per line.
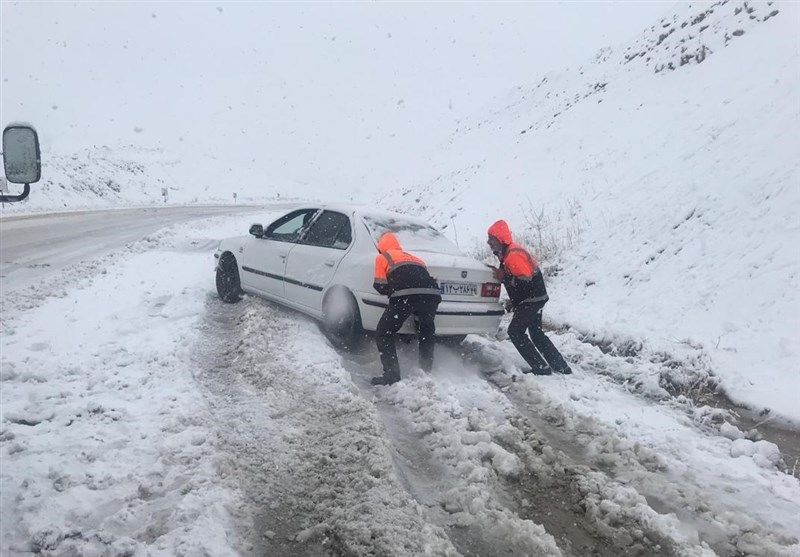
point(412, 235)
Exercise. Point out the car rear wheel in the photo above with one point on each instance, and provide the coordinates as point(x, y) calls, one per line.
point(229, 287)
point(341, 320)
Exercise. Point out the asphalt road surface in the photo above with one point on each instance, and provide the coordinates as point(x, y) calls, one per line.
point(33, 247)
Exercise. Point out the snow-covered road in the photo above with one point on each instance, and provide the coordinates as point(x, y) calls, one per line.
point(38, 245)
point(141, 416)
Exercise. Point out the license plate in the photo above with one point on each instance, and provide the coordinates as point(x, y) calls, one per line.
point(459, 288)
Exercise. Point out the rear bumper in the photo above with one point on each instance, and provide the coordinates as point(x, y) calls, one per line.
point(452, 318)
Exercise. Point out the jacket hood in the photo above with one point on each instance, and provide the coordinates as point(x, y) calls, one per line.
point(501, 231)
point(388, 241)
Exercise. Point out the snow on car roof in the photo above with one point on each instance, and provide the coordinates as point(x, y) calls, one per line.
point(366, 210)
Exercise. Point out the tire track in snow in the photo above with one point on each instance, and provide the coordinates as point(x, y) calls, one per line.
point(247, 426)
point(538, 485)
point(432, 463)
point(306, 448)
point(657, 473)
point(606, 499)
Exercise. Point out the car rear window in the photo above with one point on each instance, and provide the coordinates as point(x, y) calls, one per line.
point(413, 235)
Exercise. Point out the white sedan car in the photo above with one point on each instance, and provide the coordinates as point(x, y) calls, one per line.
point(321, 260)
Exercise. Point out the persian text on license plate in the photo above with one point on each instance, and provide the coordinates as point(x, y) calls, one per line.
point(459, 288)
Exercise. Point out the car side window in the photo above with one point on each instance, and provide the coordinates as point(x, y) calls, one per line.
point(345, 236)
point(289, 227)
point(330, 230)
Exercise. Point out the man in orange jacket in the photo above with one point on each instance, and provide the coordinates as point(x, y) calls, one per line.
point(411, 290)
point(524, 282)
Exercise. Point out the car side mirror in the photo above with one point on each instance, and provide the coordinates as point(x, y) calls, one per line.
point(22, 159)
point(257, 230)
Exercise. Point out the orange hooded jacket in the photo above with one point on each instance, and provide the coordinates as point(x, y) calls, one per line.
point(398, 273)
point(524, 281)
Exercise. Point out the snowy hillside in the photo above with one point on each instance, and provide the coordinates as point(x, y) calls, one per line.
point(667, 171)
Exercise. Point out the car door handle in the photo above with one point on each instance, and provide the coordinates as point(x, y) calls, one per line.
point(283, 256)
point(330, 263)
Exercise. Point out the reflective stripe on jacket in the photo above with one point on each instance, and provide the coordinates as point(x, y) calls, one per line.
point(399, 273)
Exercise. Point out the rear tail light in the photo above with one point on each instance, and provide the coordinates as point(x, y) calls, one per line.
point(490, 290)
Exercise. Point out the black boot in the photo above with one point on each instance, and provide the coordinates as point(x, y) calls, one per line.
point(385, 380)
point(544, 370)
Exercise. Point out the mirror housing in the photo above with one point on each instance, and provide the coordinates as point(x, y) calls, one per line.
point(22, 159)
point(257, 230)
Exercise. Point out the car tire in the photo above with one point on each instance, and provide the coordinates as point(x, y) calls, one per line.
point(341, 319)
point(229, 287)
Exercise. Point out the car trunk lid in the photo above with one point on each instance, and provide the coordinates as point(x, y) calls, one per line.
point(460, 278)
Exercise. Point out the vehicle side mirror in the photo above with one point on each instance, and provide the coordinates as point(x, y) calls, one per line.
point(21, 159)
point(257, 230)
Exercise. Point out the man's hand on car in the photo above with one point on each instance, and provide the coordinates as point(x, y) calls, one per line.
point(499, 274)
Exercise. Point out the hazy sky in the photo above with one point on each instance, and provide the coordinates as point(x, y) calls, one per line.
point(307, 90)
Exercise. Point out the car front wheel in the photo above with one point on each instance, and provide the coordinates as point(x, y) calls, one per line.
point(229, 287)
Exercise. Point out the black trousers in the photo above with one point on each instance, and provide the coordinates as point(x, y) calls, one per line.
point(400, 308)
point(537, 349)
